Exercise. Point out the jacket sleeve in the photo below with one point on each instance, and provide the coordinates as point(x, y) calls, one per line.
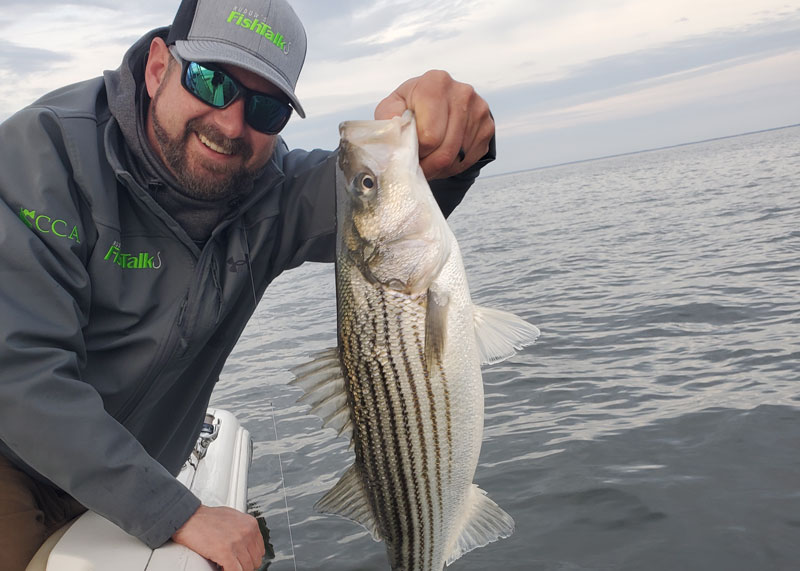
point(449, 192)
point(52, 423)
point(309, 203)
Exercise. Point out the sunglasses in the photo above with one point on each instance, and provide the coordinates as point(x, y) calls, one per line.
point(208, 83)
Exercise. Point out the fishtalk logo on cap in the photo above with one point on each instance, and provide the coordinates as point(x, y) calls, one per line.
point(260, 28)
point(262, 36)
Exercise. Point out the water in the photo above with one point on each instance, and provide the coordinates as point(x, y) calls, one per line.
point(655, 424)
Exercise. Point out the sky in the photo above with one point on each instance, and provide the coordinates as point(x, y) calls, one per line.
point(566, 80)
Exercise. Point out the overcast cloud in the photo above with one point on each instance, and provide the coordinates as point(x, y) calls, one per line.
point(567, 81)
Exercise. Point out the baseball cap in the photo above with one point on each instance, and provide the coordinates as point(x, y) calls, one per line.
point(262, 36)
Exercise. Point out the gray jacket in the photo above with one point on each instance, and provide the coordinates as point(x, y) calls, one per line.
point(114, 324)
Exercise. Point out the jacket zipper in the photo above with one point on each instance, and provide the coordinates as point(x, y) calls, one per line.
point(178, 333)
point(156, 366)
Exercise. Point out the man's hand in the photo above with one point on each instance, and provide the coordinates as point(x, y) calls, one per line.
point(226, 536)
point(454, 124)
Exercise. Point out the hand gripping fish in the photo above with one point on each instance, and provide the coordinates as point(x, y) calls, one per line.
point(405, 381)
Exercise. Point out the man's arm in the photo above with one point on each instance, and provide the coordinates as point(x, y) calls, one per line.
point(50, 418)
point(449, 192)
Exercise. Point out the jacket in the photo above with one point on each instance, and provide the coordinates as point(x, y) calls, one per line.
point(115, 325)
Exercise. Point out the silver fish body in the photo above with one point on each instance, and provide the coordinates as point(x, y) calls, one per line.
point(405, 382)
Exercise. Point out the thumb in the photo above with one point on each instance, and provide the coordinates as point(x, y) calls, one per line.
point(397, 101)
point(392, 106)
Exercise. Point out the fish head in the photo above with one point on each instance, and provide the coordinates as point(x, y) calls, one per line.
point(388, 222)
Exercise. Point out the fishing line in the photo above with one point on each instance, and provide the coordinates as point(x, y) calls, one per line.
point(271, 405)
point(283, 485)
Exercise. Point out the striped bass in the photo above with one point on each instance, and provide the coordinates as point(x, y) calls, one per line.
point(405, 381)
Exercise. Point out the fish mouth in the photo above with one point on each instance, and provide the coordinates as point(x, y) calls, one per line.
point(345, 159)
point(369, 128)
point(384, 133)
point(372, 143)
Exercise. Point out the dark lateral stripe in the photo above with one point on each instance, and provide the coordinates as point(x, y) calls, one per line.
point(387, 481)
point(424, 526)
point(396, 477)
point(369, 444)
point(435, 426)
point(406, 471)
point(448, 419)
point(363, 400)
point(416, 542)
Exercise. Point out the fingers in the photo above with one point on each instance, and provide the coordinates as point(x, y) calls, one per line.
point(255, 549)
point(226, 536)
point(395, 103)
point(454, 124)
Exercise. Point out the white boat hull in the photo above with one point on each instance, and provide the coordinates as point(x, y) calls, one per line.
point(218, 478)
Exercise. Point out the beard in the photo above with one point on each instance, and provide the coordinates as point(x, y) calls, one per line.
point(213, 181)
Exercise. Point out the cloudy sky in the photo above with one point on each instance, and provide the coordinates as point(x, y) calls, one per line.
point(567, 80)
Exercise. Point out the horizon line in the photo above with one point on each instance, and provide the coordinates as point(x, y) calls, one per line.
point(640, 151)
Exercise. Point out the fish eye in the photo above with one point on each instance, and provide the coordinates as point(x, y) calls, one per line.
point(365, 182)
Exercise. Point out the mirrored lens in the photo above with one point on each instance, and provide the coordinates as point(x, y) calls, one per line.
point(263, 112)
point(210, 85)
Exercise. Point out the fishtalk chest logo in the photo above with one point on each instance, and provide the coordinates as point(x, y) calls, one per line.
point(249, 19)
point(140, 261)
point(45, 224)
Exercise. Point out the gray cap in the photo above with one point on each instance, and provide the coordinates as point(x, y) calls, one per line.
point(262, 36)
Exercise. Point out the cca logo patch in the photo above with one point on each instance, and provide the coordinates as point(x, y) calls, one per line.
point(45, 224)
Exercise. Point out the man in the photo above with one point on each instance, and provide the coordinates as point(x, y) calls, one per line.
point(137, 213)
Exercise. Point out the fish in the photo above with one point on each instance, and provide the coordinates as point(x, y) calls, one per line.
point(404, 382)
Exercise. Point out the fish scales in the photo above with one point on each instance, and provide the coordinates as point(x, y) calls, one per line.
point(391, 360)
point(404, 382)
point(412, 416)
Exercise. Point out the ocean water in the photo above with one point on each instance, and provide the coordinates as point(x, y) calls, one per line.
point(655, 425)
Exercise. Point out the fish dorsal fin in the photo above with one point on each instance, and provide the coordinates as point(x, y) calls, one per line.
point(323, 384)
point(485, 522)
point(501, 334)
point(348, 499)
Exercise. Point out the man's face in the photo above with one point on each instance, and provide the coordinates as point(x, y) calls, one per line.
point(213, 153)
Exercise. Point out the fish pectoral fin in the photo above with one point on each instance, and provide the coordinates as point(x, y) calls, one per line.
point(323, 383)
point(485, 522)
point(348, 499)
point(501, 334)
point(435, 328)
